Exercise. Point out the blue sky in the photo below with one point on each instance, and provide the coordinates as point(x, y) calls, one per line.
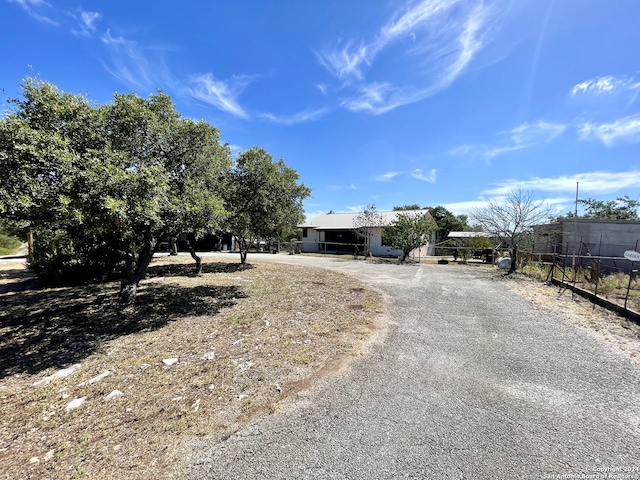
point(435, 102)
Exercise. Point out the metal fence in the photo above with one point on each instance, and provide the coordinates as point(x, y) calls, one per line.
point(607, 280)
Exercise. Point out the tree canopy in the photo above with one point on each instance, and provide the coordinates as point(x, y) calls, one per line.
point(409, 231)
point(102, 185)
point(622, 208)
point(263, 198)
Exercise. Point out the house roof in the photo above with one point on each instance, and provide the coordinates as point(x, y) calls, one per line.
point(345, 221)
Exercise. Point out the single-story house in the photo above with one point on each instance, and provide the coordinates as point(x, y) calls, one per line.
point(339, 233)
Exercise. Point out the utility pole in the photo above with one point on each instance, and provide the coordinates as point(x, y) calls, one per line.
point(575, 235)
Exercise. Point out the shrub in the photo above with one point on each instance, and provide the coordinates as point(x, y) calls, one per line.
point(8, 244)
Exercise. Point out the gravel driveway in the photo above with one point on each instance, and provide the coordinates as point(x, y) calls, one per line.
point(469, 381)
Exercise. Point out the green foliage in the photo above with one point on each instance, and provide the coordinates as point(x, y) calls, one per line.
point(409, 231)
point(263, 197)
point(101, 184)
point(414, 206)
point(447, 222)
point(537, 271)
point(8, 243)
point(623, 208)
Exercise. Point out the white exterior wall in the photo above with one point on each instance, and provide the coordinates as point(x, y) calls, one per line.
point(310, 242)
point(379, 250)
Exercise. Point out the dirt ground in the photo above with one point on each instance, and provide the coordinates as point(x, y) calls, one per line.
point(244, 340)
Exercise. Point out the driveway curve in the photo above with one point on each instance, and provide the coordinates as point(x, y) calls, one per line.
point(469, 381)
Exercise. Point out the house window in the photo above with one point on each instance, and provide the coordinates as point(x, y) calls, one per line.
point(304, 233)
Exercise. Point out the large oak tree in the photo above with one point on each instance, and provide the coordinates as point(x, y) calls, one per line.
point(101, 185)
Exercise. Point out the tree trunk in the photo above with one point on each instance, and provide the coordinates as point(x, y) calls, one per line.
point(514, 260)
point(244, 250)
point(136, 270)
point(197, 259)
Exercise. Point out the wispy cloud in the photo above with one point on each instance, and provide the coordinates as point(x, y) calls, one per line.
point(221, 94)
point(441, 38)
point(626, 130)
point(86, 23)
point(523, 136)
point(343, 187)
point(375, 98)
point(346, 61)
point(354, 209)
point(427, 177)
point(140, 68)
point(592, 182)
point(34, 7)
point(604, 85)
point(300, 117)
point(387, 177)
point(532, 133)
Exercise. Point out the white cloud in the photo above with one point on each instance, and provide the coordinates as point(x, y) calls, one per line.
point(604, 85)
point(523, 136)
point(343, 187)
point(427, 177)
point(387, 177)
point(32, 7)
point(109, 39)
point(451, 32)
point(626, 129)
point(143, 69)
point(345, 62)
point(592, 182)
point(374, 98)
point(221, 94)
point(461, 208)
point(86, 23)
point(532, 133)
point(354, 209)
point(300, 117)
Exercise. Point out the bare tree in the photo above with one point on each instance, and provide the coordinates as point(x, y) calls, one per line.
point(364, 224)
point(512, 218)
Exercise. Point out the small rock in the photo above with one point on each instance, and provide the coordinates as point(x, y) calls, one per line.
point(65, 396)
point(212, 387)
point(241, 397)
point(114, 394)
point(49, 455)
point(76, 403)
point(244, 366)
point(170, 361)
point(209, 356)
point(144, 366)
point(34, 460)
point(65, 372)
point(97, 378)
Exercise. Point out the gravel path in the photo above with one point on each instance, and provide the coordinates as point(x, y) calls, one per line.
point(469, 381)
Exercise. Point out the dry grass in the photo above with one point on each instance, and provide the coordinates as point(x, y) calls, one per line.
point(246, 339)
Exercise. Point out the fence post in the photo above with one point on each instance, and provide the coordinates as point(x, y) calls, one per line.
point(626, 297)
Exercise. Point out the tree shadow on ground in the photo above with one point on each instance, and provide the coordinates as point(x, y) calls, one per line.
point(188, 269)
point(43, 328)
